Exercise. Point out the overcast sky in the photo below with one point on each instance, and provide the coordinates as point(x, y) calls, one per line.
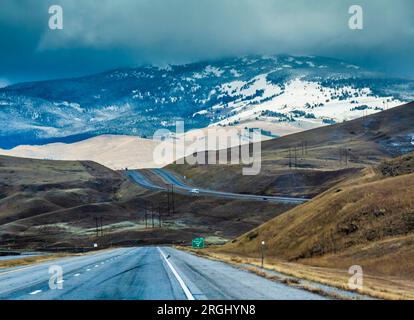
point(105, 34)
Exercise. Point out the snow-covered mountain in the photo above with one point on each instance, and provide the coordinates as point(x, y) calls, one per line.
point(303, 91)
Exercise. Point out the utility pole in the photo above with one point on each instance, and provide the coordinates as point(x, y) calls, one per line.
point(168, 202)
point(146, 221)
point(346, 156)
point(340, 155)
point(296, 158)
point(290, 158)
point(159, 217)
point(101, 228)
point(96, 227)
point(172, 196)
point(152, 215)
point(262, 251)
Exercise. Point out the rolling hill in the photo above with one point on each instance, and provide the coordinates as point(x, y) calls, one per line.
point(115, 152)
point(365, 220)
point(118, 152)
point(55, 205)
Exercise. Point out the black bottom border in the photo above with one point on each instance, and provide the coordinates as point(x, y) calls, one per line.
point(255, 309)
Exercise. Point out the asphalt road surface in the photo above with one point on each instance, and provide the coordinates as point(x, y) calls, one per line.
point(144, 273)
point(181, 187)
point(170, 178)
point(140, 179)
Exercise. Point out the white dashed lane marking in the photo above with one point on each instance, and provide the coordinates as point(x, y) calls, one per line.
point(35, 292)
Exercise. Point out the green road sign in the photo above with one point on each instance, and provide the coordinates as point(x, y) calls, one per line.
point(198, 243)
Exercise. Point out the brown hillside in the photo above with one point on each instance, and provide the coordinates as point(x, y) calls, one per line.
point(366, 220)
point(399, 166)
point(47, 204)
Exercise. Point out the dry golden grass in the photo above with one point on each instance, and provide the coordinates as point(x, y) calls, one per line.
point(389, 257)
point(358, 212)
point(31, 260)
point(399, 166)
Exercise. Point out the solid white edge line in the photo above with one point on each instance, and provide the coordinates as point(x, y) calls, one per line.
point(177, 276)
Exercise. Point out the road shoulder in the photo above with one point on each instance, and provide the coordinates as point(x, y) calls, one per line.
point(272, 273)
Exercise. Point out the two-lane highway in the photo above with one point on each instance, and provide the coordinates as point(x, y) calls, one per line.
point(183, 188)
point(127, 273)
point(142, 273)
point(137, 177)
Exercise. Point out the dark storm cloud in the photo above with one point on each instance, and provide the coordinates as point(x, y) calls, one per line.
point(104, 34)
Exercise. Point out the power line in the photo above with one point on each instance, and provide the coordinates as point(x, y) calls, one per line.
point(296, 158)
point(290, 158)
point(173, 201)
point(96, 226)
point(146, 213)
point(159, 217)
point(152, 215)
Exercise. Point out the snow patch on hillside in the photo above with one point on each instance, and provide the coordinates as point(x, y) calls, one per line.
point(257, 86)
point(302, 99)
